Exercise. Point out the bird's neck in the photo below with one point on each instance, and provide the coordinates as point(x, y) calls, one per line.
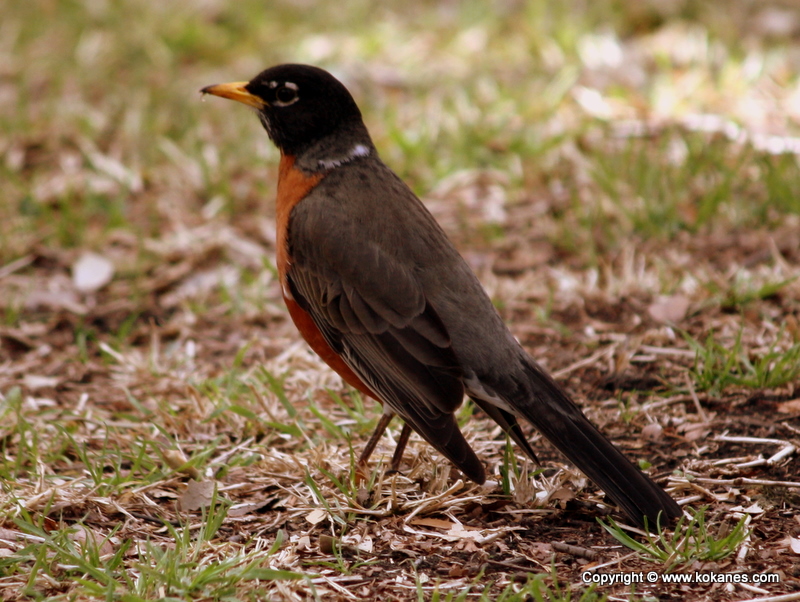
point(346, 144)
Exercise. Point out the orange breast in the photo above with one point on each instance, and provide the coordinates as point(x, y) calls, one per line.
point(293, 186)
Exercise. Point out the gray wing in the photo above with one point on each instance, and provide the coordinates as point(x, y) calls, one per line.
point(372, 310)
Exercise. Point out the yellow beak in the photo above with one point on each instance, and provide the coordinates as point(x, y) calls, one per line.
point(235, 91)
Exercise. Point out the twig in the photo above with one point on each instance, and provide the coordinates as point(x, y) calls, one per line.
point(510, 565)
point(577, 551)
point(331, 582)
point(666, 402)
point(437, 499)
point(740, 556)
point(667, 351)
point(365, 511)
point(222, 460)
point(610, 562)
point(15, 265)
point(753, 588)
point(786, 425)
point(745, 481)
point(726, 461)
point(155, 519)
point(700, 411)
point(786, 450)
point(588, 361)
point(706, 492)
point(782, 598)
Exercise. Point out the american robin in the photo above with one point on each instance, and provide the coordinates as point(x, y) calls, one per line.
point(381, 294)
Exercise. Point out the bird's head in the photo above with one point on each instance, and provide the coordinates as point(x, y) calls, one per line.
point(297, 104)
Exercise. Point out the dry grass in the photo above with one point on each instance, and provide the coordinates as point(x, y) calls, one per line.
point(624, 179)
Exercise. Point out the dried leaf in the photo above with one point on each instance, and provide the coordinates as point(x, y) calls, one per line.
point(35, 381)
point(8, 536)
point(669, 309)
point(316, 516)
point(202, 282)
point(55, 299)
point(162, 494)
point(540, 550)
point(461, 532)
point(434, 523)
point(790, 407)
point(794, 544)
point(653, 432)
point(92, 272)
point(84, 536)
point(752, 509)
point(562, 493)
point(249, 508)
point(327, 544)
point(695, 431)
point(366, 544)
point(198, 495)
point(175, 458)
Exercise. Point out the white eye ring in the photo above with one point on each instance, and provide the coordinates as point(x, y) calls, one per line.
point(288, 91)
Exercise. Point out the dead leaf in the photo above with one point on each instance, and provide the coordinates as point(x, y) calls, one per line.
point(752, 509)
point(198, 495)
point(467, 545)
point(327, 544)
point(176, 460)
point(434, 523)
point(669, 309)
point(363, 495)
point(84, 536)
point(540, 550)
point(249, 508)
point(35, 381)
point(653, 432)
point(794, 544)
point(464, 532)
point(695, 431)
point(316, 516)
point(366, 544)
point(562, 493)
point(55, 299)
point(9, 536)
point(790, 407)
point(92, 272)
point(163, 494)
point(202, 282)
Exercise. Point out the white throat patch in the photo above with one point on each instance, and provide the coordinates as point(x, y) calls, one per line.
point(359, 150)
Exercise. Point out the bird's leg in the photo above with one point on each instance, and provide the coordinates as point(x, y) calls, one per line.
point(380, 428)
point(401, 447)
point(386, 418)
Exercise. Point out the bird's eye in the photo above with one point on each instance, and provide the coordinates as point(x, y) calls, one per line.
point(285, 95)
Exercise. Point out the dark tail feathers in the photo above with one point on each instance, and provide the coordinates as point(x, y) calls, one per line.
point(548, 408)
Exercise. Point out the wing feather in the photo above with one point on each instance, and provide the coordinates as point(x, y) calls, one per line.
point(388, 334)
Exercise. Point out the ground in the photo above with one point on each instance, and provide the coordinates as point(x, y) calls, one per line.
point(622, 177)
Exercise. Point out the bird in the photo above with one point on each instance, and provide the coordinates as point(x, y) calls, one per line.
point(380, 293)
